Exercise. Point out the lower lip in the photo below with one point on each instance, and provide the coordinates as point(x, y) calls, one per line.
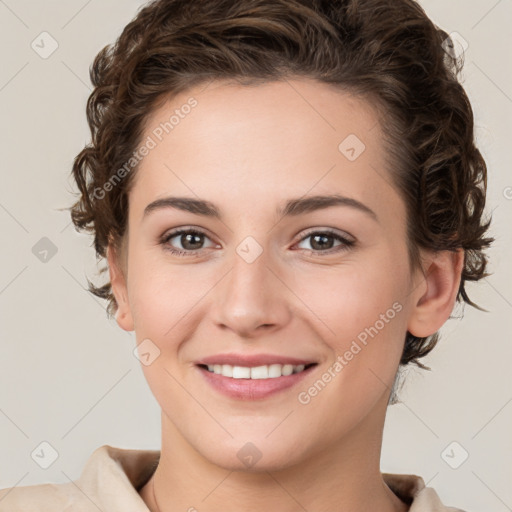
point(252, 389)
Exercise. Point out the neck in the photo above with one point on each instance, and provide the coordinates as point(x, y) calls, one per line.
point(341, 477)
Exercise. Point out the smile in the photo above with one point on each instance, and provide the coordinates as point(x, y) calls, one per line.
point(253, 383)
point(270, 371)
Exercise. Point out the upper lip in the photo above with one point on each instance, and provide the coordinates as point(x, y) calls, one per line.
point(251, 360)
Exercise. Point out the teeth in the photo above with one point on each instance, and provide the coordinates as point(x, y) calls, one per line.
point(270, 371)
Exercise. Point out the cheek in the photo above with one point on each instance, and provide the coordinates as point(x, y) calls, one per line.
point(160, 294)
point(351, 297)
point(360, 315)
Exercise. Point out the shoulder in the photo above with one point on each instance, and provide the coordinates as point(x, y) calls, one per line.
point(412, 490)
point(428, 500)
point(40, 498)
point(110, 480)
point(61, 497)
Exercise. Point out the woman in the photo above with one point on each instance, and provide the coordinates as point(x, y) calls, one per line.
point(290, 202)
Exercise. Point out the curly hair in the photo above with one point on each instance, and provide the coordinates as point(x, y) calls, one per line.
point(386, 51)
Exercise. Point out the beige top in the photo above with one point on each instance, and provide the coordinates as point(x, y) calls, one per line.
point(112, 478)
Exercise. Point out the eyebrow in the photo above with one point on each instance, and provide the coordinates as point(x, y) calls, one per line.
point(292, 207)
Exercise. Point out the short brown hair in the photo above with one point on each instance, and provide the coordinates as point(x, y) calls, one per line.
point(386, 51)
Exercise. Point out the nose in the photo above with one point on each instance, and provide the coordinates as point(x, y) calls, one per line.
point(252, 298)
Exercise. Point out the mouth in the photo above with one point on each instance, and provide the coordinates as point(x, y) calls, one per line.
point(243, 383)
point(271, 371)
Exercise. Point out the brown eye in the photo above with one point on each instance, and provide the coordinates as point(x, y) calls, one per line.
point(190, 241)
point(324, 242)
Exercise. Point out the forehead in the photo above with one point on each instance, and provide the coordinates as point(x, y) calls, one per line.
point(287, 138)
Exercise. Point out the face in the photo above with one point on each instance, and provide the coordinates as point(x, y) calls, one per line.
point(325, 282)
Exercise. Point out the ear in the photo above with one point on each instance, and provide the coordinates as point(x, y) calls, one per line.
point(437, 292)
point(120, 290)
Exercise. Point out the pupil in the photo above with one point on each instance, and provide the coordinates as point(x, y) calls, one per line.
point(321, 246)
point(189, 240)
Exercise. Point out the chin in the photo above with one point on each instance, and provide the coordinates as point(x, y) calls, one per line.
point(254, 454)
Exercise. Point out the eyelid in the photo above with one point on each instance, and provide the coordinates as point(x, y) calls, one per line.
point(185, 229)
point(331, 231)
point(346, 240)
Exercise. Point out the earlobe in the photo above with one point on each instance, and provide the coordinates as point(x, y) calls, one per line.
point(433, 306)
point(123, 314)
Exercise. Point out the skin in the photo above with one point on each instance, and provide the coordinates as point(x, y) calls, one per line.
point(247, 150)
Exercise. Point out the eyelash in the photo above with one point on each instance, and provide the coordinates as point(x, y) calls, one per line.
point(345, 243)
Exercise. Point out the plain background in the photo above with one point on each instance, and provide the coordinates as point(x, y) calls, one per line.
point(68, 375)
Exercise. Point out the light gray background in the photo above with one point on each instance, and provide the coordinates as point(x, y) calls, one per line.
point(68, 375)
